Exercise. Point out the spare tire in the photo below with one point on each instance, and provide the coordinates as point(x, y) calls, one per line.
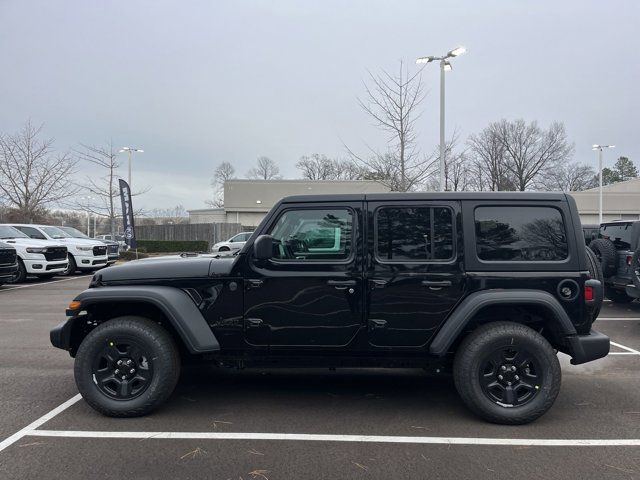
point(596, 274)
point(607, 255)
point(635, 268)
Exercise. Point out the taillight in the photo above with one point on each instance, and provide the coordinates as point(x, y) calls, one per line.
point(588, 293)
point(629, 258)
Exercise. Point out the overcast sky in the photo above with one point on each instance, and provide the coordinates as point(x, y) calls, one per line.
point(198, 83)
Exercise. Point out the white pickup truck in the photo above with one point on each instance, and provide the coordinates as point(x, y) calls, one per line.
point(84, 254)
point(42, 258)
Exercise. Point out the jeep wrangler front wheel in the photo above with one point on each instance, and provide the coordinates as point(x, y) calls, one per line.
point(127, 367)
point(507, 373)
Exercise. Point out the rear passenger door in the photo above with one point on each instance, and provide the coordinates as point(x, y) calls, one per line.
point(414, 270)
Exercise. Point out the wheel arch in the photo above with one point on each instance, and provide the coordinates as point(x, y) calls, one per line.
point(478, 307)
point(165, 305)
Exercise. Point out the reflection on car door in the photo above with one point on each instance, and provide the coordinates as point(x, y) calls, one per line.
point(310, 293)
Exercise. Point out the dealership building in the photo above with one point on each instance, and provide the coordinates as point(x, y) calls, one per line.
point(248, 201)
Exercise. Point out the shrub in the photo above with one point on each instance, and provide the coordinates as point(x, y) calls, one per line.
point(172, 246)
point(131, 255)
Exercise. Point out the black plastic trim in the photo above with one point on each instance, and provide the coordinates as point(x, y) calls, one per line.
point(586, 348)
point(471, 305)
point(176, 305)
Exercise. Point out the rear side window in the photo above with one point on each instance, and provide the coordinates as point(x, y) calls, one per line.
point(520, 234)
point(620, 235)
point(414, 234)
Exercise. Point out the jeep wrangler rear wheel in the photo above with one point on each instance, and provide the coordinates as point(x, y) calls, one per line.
point(507, 373)
point(127, 367)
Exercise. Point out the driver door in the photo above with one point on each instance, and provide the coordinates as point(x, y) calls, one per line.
point(310, 294)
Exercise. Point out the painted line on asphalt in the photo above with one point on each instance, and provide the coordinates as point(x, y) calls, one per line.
point(621, 442)
point(41, 284)
point(617, 319)
point(628, 349)
point(42, 420)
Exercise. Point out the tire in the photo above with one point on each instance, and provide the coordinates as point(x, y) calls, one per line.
point(224, 249)
point(71, 267)
point(21, 274)
point(617, 296)
point(606, 254)
point(153, 355)
point(596, 273)
point(494, 341)
point(635, 268)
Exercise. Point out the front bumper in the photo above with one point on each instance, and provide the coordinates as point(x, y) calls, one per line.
point(586, 348)
point(43, 267)
point(90, 262)
point(60, 335)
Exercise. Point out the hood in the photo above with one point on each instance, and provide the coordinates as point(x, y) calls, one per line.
point(168, 268)
point(32, 242)
point(80, 241)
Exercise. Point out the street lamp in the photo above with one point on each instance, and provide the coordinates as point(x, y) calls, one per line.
point(599, 148)
point(88, 199)
point(445, 66)
point(130, 150)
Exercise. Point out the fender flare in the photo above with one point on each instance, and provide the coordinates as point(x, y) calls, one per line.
point(177, 306)
point(465, 311)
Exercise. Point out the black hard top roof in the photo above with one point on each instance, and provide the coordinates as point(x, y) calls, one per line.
point(399, 196)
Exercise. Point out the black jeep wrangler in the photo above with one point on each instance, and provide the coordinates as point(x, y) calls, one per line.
point(487, 286)
point(617, 249)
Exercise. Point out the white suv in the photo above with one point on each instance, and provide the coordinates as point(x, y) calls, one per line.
point(43, 258)
point(84, 254)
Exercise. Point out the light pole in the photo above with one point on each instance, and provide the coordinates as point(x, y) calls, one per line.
point(88, 198)
point(130, 150)
point(599, 148)
point(445, 66)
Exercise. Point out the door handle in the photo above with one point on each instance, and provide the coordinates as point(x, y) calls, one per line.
point(254, 322)
point(378, 283)
point(254, 283)
point(377, 323)
point(436, 283)
point(342, 284)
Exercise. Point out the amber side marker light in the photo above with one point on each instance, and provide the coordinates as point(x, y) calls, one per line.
point(75, 305)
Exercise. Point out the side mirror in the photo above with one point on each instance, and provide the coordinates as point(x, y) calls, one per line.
point(263, 247)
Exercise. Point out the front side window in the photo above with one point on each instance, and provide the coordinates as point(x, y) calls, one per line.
point(313, 234)
point(520, 234)
point(414, 234)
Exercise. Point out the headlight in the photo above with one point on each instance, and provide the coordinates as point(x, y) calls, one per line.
point(84, 249)
point(37, 250)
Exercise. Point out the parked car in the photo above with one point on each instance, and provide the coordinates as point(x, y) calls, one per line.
point(117, 238)
point(42, 258)
point(84, 254)
point(113, 248)
point(590, 233)
point(234, 244)
point(8, 263)
point(618, 252)
point(487, 286)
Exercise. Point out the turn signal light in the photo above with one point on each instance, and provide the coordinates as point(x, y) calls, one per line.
point(74, 305)
point(588, 293)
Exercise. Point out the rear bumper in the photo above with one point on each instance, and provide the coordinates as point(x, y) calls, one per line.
point(586, 348)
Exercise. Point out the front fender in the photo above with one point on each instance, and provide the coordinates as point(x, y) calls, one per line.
point(176, 305)
point(475, 302)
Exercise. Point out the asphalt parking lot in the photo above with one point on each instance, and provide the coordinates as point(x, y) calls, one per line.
point(277, 424)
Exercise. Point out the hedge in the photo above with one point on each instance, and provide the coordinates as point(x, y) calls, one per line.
point(173, 246)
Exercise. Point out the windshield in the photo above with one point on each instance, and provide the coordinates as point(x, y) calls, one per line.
point(73, 232)
point(10, 232)
point(55, 232)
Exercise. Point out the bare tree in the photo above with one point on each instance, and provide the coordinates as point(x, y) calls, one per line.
point(265, 169)
point(100, 194)
point(175, 215)
point(32, 176)
point(320, 167)
point(530, 151)
point(489, 161)
point(221, 174)
point(571, 177)
point(392, 101)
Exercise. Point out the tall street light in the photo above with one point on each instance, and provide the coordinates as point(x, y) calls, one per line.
point(445, 66)
point(130, 150)
point(599, 148)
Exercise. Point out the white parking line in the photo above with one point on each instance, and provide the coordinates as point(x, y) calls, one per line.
point(41, 284)
point(577, 442)
point(628, 349)
point(618, 319)
point(42, 420)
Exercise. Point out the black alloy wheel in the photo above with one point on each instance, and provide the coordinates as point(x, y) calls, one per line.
point(510, 377)
point(122, 369)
